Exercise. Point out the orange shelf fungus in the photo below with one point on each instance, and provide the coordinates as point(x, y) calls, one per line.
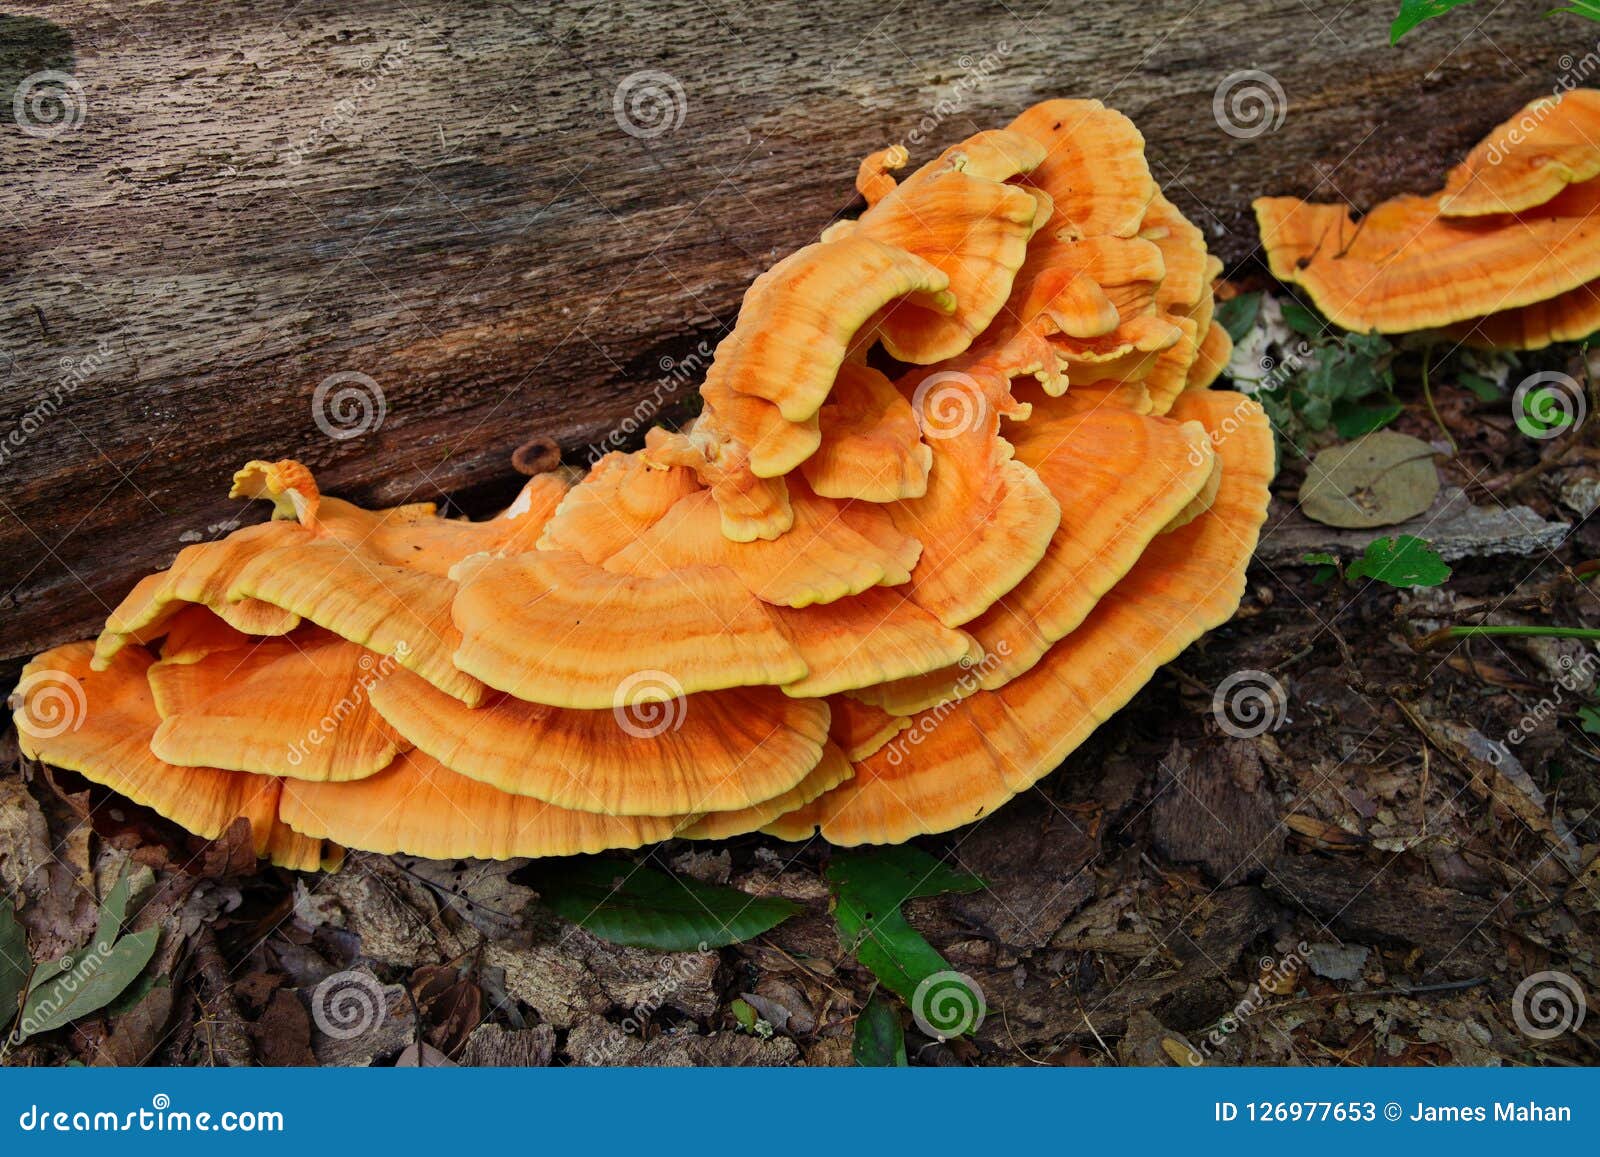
point(958, 487)
point(1505, 256)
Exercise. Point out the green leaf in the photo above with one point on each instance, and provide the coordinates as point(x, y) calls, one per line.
point(14, 962)
point(114, 908)
point(744, 1012)
point(1406, 561)
point(879, 1041)
point(641, 907)
point(1415, 12)
point(1238, 314)
point(1377, 480)
point(1589, 718)
point(87, 982)
point(1352, 421)
point(1588, 9)
point(1484, 389)
point(1327, 565)
point(1302, 320)
point(868, 888)
point(1354, 367)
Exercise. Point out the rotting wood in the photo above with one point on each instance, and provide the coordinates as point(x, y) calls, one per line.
point(440, 197)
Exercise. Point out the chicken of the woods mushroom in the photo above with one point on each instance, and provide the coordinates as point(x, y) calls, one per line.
point(959, 486)
point(1505, 256)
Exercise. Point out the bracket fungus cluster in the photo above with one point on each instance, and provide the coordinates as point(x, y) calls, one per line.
point(1505, 256)
point(958, 487)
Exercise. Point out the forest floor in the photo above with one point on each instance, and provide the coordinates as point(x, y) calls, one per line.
point(1379, 878)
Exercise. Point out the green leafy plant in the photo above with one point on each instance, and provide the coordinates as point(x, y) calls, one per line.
point(105, 973)
point(1415, 12)
point(1331, 379)
point(1327, 565)
point(1403, 561)
point(14, 963)
point(1238, 314)
point(868, 889)
point(879, 1041)
point(641, 907)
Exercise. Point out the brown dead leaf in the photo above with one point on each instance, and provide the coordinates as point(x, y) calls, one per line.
point(1320, 834)
point(282, 1034)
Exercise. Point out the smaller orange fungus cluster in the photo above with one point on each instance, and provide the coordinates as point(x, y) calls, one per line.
point(1505, 256)
point(958, 488)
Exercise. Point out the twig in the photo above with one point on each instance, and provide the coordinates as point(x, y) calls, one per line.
point(1427, 396)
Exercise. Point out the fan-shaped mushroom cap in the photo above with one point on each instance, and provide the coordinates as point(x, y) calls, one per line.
point(986, 519)
point(871, 447)
point(875, 636)
point(380, 578)
point(1570, 316)
point(1094, 167)
point(620, 498)
point(752, 507)
point(549, 628)
point(1550, 144)
point(1406, 267)
point(1211, 358)
point(201, 574)
point(298, 706)
point(98, 723)
point(1120, 478)
point(832, 769)
point(712, 751)
point(418, 806)
point(832, 549)
point(377, 578)
point(859, 729)
point(394, 610)
point(959, 215)
point(959, 761)
point(798, 321)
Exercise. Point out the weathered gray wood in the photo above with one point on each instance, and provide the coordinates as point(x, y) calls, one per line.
point(470, 228)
